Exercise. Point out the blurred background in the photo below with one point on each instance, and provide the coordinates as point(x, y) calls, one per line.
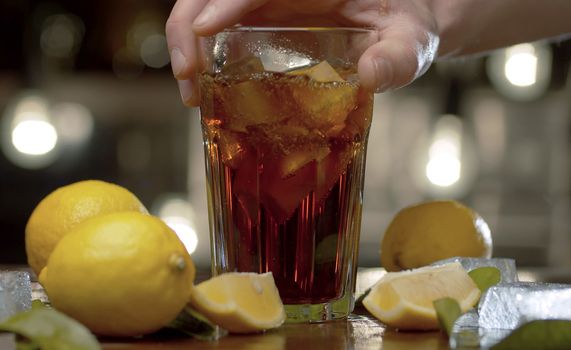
point(86, 92)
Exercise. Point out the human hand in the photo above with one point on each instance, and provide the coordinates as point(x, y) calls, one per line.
point(406, 45)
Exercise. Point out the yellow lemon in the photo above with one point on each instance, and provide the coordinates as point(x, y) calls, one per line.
point(404, 299)
point(422, 234)
point(120, 274)
point(240, 302)
point(66, 207)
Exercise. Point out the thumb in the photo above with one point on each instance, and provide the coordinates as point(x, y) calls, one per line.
point(402, 54)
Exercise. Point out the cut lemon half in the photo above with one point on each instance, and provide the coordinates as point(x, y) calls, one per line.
point(240, 302)
point(404, 299)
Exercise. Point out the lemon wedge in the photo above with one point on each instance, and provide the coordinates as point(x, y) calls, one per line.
point(240, 302)
point(404, 299)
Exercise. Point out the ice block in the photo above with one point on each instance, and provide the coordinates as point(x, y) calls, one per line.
point(510, 305)
point(466, 333)
point(15, 293)
point(507, 267)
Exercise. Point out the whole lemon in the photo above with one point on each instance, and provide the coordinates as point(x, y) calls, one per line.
point(422, 234)
point(66, 207)
point(120, 274)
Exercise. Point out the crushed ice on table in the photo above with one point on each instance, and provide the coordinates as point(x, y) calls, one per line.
point(15, 293)
point(507, 267)
point(509, 306)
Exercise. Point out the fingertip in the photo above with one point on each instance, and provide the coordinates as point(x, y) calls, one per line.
point(391, 63)
point(376, 73)
point(188, 92)
point(179, 63)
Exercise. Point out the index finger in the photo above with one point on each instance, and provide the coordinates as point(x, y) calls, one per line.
point(180, 37)
point(219, 14)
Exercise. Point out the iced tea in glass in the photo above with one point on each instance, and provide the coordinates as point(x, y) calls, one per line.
point(285, 127)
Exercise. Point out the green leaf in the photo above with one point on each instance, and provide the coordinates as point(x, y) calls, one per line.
point(485, 277)
point(539, 335)
point(447, 310)
point(25, 344)
point(192, 323)
point(37, 303)
point(48, 329)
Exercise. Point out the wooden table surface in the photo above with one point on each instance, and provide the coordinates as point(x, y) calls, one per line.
point(360, 331)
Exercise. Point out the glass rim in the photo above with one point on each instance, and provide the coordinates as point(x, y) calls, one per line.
point(260, 29)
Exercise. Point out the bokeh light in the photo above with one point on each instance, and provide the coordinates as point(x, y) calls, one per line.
point(176, 211)
point(443, 169)
point(521, 65)
point(61, 35)
point(34, 137)
point(444, 164)
point(184, 231)
point(521, 72)
point(29, 137)
point(154, 51)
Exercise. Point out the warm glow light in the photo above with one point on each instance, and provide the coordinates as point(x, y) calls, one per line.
point(444, 166)
point(34, 137)
point(521, 72)
point(443, 170)
point(181, 226)
point(176, 212)
point(29, 137)
point(520, 67)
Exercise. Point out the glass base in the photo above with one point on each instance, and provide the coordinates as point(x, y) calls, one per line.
point(323, 312)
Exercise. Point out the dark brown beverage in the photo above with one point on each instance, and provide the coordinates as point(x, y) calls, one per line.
point(285, 156)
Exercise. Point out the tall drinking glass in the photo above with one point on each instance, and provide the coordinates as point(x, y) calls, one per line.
point(285, 129)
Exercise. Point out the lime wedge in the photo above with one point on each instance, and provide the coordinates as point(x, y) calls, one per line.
point(48, 329)
point(538, 335)
point(192, 323)
point(447, 310)
point(485, 277)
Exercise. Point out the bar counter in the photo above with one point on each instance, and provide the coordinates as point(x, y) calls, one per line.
point(359, 331)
